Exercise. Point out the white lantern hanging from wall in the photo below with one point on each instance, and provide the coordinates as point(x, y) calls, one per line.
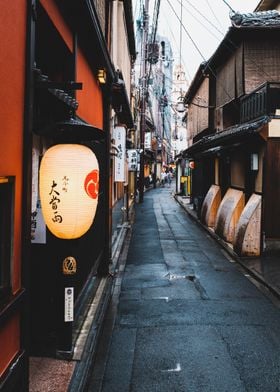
point(69, 186)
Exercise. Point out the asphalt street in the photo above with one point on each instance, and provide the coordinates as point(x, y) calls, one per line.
point(184, 316)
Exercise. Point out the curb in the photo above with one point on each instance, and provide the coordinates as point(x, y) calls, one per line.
point(104, 343)
point(95, 317)
point(230, 251)
point(82, 368)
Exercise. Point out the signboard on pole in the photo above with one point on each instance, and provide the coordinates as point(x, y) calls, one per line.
point(132, 160)
point(120, 136)
point(38, 226)
point(148, 140)
point(68, 304)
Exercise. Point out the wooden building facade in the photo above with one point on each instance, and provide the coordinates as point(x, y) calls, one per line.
point(13, 357)
point(59, 87)
point(233, 120)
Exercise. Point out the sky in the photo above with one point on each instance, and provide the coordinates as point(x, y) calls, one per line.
point(204, 24)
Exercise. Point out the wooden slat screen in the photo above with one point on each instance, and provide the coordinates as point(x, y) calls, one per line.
point(198, 114)
point(261, 62)
point(239, 71)
point(226, 82)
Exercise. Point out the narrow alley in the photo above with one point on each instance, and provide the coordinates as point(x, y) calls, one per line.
point(184, 316)
point(111, 278)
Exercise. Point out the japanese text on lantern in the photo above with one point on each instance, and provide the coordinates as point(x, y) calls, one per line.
point(54, 201)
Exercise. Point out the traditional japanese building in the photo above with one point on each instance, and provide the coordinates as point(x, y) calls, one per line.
point(13, 209)
point(60, 88)
point(123, 54)
point(233, 123)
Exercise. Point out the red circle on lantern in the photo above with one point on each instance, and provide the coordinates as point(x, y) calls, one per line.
point(91, 184)
point(191, 164)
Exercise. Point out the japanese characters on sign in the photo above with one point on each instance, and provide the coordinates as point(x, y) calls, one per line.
point(132, 160)
point(120, 136)
point(68, 304)
point(148, 140)
point(38, 226)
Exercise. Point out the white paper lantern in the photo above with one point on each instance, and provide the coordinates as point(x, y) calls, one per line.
point(69, 186)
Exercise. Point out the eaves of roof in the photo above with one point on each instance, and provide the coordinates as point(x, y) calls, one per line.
point(230, 135)
point(130, 28)
point(83, 18)
point(265, 5)
point(195, 84)
point(121, 104)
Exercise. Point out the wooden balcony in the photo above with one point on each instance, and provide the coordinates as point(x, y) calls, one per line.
point(262, 101)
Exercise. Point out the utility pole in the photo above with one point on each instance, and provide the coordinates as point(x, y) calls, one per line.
point(143, 96)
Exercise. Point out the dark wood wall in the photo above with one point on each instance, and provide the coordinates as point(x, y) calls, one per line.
point(272, 189)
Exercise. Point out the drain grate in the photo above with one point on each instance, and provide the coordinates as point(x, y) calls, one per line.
point(191, 278)
point(174, 276)
point(178, 276)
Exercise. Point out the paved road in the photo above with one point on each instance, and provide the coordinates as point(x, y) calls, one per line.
point(187, 320)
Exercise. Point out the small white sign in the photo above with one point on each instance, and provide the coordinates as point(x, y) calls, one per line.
point(132, 160)
point(38, 226)
point(35, 171)
point(148, 140)
point(68, 304)
point(120, 135)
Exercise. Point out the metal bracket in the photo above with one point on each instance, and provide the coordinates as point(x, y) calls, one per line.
point(116, 152)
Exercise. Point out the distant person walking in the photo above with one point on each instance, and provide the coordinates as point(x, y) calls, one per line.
point(169, 178)
point(162, 178)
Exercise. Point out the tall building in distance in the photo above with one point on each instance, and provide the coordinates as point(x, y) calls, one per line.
point(179, 112)
point(160, 90)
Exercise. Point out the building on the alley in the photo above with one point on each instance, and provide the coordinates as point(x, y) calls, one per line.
point(123, 53)
point(65, 80)
point(233, 121)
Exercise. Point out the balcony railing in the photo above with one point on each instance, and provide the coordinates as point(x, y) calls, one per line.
point(262, 101)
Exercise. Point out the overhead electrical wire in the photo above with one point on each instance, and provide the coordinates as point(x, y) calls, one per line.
point(259, 69)
point(155, 21)
point(227, 4)
point(213, 13)
point(203, 106)
point(199, 51)
point(202, 24)
point(155, 25)
point(181, 19)
point(139, 19)
point(204, 17)
point(186, 31)
point(154, 29)
point(178, 49)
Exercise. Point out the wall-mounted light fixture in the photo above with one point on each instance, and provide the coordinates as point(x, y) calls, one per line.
point(180, 106)
point(254, 162)
point(101, 76)
point(191, 165)
point(69, 187)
